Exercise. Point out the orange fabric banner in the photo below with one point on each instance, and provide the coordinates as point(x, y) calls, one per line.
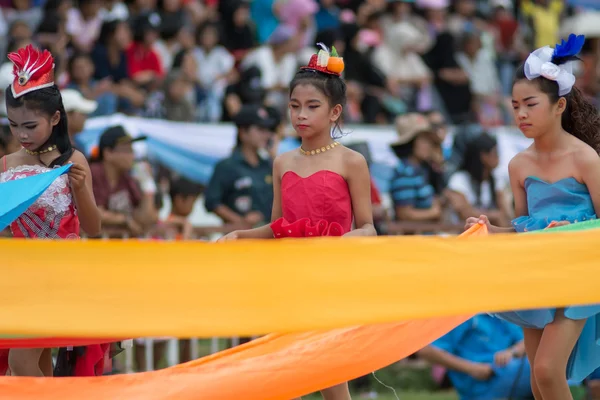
point(274, 367)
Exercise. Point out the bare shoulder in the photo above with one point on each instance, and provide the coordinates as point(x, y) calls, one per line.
point(353, 159)
point(13, 160)
point(584, 156)
point(519, 164)
point(78, 158)
point(282, 162)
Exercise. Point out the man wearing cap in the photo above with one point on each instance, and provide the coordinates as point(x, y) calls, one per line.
point(77, 108)
point(241, 188)
point(119, 197)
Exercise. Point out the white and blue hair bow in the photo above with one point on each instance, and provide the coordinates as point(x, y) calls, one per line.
point(556, 64)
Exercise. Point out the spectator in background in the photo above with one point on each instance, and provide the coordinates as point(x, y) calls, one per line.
point(405, 38)
point(119, 197)
point(509, 43)
point(184, 195)
point(78, 108)
point(110, 62)
point(361, 72)
point(241, 187)
point(81, 76)
point(483, 80)
point(450, 80)
point(23, 10)
point(544, 20)
point(277, 64)
point(263, 12)
point(215, 66)
point(412, 194)
point(474, 189)
point(8, 143)
point(247, 90)
point(143, 64)
point(486, 359)
point(83, 24)
point(241, 31)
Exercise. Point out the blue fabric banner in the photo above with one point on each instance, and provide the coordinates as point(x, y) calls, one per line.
point(18, 195)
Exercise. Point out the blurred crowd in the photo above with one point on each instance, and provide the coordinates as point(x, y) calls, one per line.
point(200, 60)
point(422, 66)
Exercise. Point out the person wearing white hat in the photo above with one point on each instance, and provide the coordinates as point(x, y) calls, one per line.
point(77, 108)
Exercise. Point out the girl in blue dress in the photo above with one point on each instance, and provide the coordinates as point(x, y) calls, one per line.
point(556, 179)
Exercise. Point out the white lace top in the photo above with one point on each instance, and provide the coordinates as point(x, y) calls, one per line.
point(53, 215)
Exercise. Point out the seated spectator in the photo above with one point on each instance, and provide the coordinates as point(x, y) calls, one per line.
point(473, 190)
point(241, 187)
point(277, 64)
point(8, 143)
point(83, 24)
point(246, 91)
point(143, 64)
point(215, 67)
point(240, 29)
point(78, 109)
point(121, 200)
point(483, 80)
point(81, 76)
point(413, 196)
point(486, 359)
point(110, 63)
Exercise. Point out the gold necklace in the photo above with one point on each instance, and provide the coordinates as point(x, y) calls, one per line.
point(319, 151)
point(35, 153)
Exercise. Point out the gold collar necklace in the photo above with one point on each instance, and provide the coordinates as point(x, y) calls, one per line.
point(37, 153)
point(319, 151)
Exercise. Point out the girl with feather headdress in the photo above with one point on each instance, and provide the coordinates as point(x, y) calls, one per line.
point(556, 181)
point(38, 121)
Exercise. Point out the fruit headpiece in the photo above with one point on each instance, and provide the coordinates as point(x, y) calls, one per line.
point(33, 70)
point(325, 61)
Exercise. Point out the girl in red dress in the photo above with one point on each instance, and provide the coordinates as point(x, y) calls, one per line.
point(38, 121)
point(322, 188)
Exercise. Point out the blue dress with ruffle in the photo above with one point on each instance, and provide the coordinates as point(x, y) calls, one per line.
point(564, 200)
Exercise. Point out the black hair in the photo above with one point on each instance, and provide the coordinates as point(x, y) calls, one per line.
point(47, 100)
point(580, 118)
point(208, 25)
point(107, 31)
point(73, 59)
point(183, 187)
point(332, 86)
point(472, 164)
point(178, 59)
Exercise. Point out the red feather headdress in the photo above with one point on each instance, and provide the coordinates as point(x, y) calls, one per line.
point(33, 70)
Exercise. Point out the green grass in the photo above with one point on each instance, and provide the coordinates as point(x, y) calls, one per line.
point(402, 396)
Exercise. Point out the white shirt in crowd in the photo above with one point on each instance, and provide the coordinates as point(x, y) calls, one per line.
point(462, 183)
point(212, 64)
point(482, 73)
point(273, 73)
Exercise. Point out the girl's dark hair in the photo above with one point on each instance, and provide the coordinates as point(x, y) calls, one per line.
point(483, 143)
point(47, 100)
point(580, 118)
point(332, 86)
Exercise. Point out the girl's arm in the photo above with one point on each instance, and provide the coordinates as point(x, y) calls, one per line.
point(265, 232)
point(589, 165)
point(80, 177)
point(359, 183)
point(519, 194)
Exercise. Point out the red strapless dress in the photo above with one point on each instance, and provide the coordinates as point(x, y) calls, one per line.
point(316, 205)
